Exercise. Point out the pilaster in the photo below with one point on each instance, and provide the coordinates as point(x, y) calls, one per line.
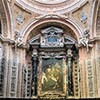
point(5, 65)
point(19, 73)
point(97, 57)
point(10, 64)
point(22, 65)
point(1, 71)
point(82, 72)
point(39, 76)
point(14, 73)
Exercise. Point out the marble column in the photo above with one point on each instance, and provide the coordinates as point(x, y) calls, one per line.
point(39, 75)
point(34, 72)
point(70, 81)
point(5, 65)
point(65, 77)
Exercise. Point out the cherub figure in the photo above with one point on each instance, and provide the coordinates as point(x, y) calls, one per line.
point(84, 40)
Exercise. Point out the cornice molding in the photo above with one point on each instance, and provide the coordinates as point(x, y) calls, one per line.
point(95, 39)
point(61, 8)
point(12, 42)
point(51, 2)
point(6, 39)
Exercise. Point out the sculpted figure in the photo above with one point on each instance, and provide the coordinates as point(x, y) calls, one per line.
point(19, 40)
point(84, 40)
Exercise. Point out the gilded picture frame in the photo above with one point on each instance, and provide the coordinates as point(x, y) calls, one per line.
point(52, 79)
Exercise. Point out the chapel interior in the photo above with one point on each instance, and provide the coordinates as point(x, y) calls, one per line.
point(50, 49)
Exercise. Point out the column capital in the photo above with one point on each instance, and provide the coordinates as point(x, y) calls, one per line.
point(34, 53)
point(69, 53)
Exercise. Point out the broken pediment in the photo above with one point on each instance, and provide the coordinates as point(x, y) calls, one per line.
point(69, 40)
point(35, 40)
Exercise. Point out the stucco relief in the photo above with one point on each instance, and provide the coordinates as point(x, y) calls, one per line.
point(83, 17)
point(90, 78)
point(18, 39)
point(20, 18)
